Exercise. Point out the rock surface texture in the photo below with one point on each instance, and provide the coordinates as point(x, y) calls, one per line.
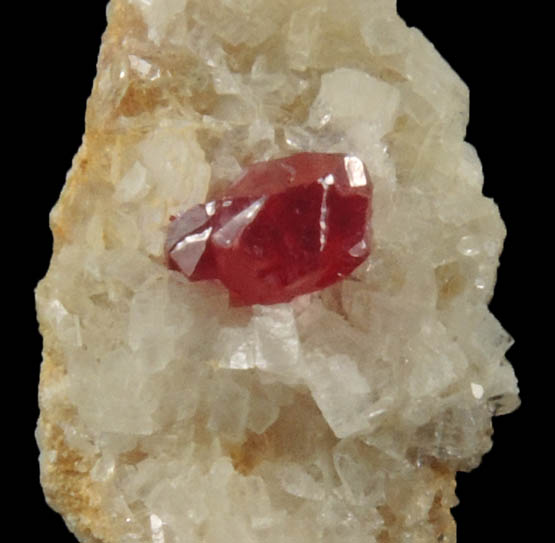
point(342, 416)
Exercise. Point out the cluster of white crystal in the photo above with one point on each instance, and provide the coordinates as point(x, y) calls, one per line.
point(319, 420)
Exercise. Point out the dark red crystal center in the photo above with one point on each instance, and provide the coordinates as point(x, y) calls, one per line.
point(286, 227)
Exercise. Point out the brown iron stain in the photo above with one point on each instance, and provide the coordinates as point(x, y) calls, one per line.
point(247, 455)
point(450, 283)
point(240, 58)
point(65, 478)
point(441, 519)
point(387, 514)
point(69, 489)
point(133, 456)
point(139, 98)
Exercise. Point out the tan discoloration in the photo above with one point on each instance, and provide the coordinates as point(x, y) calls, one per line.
point(450, 283)
point(387, 514)
point(440, 517)
point(124, 20)
point(440, 480)
point(65, 475)
point(133, 457)
point(139, 98)
point(252, 451)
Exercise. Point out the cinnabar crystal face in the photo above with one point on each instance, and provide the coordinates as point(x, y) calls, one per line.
point(286, 227)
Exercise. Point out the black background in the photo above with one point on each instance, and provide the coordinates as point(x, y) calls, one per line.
point(493, 55)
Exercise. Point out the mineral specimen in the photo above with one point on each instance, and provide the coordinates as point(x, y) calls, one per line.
point(286, 227)
point(341, 415)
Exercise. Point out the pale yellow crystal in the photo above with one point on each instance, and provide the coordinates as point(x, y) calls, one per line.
point(168, 417)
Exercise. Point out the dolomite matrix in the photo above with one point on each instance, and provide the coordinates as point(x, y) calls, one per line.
point(342, 415)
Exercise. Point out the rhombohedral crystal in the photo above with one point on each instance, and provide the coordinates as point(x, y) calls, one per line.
point(287, 227)
point(337, 413)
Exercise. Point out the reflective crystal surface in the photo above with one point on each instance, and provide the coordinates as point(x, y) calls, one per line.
point(286, 227)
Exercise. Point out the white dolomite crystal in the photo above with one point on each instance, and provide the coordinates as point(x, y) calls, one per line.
point(343, 416)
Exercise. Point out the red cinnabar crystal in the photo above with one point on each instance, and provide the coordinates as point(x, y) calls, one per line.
point(286, 227)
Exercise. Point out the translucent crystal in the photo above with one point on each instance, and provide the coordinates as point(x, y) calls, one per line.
point(286, 227)
point(339, 415)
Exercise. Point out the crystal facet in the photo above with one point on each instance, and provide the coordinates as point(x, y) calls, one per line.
point(286, 227)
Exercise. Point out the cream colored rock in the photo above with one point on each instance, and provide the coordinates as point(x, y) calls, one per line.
point(167, 416)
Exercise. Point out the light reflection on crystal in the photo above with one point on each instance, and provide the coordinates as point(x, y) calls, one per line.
point(480, 283)
point(156, 526)
point(326, 183)
point(358, 249)
point(468, 246)
point(355, 171)
point(477, 390)
point(210, 208)
point(139, 64)
point(225, 235)
point(57, 311)
point(188, 251)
